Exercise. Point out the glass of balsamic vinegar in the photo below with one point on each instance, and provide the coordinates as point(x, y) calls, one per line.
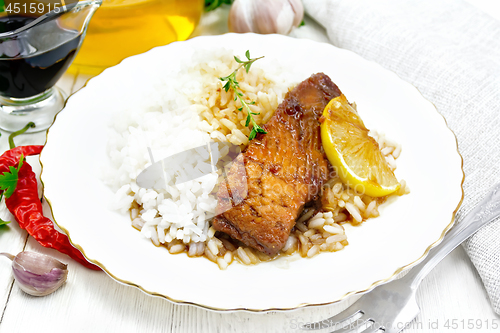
point(34, 52)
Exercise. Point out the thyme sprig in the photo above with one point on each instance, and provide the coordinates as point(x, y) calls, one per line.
point(232, 83)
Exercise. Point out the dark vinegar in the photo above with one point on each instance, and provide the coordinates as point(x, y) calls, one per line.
point(34, 61)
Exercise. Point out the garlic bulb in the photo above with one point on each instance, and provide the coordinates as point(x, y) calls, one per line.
point(37, 274)
point(265, 16)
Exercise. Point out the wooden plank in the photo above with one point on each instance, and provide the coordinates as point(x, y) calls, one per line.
point(92, 301)
point(454, 291)
point(12, 238)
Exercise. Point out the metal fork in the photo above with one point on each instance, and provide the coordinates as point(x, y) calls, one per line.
point(391, 307)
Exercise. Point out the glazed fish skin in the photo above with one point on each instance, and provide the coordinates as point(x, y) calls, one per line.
point(283, 170)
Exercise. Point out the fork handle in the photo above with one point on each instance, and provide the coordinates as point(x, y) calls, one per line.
point(485, 212)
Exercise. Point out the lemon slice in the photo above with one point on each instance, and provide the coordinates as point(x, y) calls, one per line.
point(354, 154)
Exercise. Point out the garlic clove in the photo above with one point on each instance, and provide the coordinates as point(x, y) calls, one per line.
point(284, 20)
point(38, 274)
point(265, 16)
point(240, 17)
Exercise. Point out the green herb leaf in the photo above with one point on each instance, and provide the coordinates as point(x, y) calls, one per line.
point(252, 135)
point(8, 180)
point(21, 159)
point(212, 4)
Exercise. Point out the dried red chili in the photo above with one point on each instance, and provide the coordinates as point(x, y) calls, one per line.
point(26, 207)
point(11, 157)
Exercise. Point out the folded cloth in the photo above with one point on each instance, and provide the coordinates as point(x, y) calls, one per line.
point(450, 51)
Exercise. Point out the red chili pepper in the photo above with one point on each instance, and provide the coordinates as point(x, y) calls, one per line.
point(11, 157)
point(26, 207)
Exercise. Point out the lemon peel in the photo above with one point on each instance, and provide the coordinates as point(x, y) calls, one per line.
point(355, 156)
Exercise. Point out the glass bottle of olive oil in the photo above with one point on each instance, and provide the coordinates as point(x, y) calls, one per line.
point(121, 28)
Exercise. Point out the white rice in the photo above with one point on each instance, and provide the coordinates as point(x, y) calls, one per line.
point(182, 114)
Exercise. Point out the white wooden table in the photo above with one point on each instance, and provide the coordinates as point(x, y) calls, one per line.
point(91, 301)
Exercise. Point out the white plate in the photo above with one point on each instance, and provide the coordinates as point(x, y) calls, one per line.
point(379, 249)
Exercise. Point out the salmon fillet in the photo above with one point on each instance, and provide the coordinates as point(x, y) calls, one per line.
point(268, 185)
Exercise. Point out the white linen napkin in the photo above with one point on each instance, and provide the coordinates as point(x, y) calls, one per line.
point(450, 51)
